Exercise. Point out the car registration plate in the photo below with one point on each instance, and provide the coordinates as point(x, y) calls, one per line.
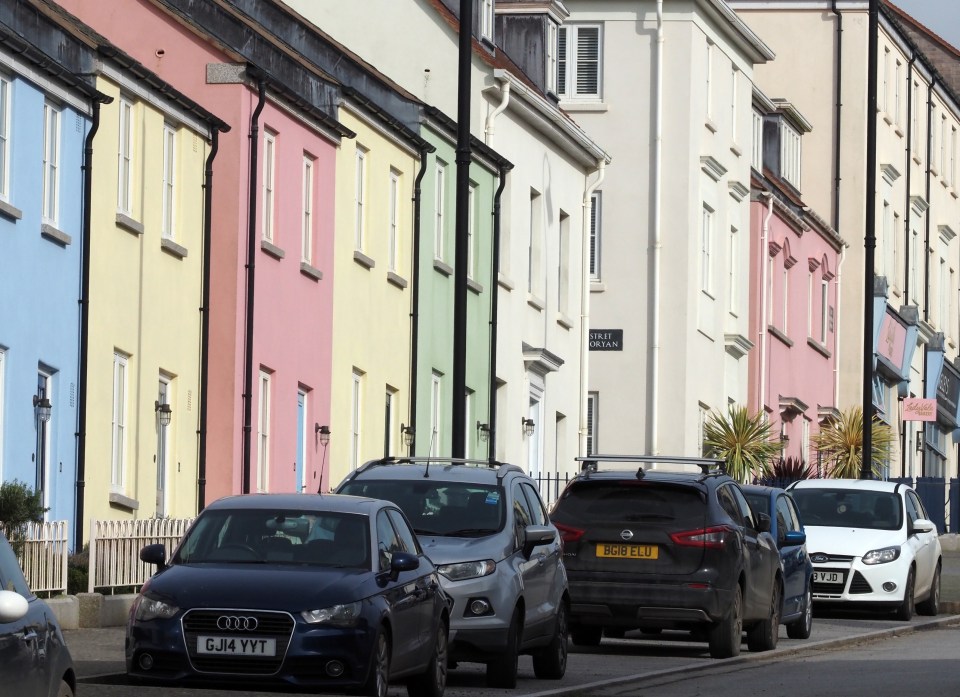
point(616, 551)
point(828, 577)
point(236, 646)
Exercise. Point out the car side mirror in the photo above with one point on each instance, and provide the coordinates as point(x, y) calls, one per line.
point(794, 538)
point(154, 554)
point(922, 525)
point(402, 561)
point(763, 522)
point(536, 535)
point(13, 606)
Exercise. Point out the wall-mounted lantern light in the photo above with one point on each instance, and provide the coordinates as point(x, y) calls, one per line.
point(43, 408)
point(407, 432)
point(323, 432)
point(528, 426)
point(483, 432)
point(164, 412)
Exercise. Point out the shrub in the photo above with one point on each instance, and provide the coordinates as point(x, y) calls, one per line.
point(742, 440)
point(19, 506)
point(785, 472)
point(78, 565)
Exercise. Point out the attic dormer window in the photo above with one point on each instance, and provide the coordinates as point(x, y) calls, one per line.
point(790, 154)
point(486, 19)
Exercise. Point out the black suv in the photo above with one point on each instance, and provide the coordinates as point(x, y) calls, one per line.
point(649, 546)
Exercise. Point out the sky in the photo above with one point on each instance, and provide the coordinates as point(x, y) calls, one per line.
point(942, 17)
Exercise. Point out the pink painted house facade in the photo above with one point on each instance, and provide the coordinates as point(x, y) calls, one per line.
point(271, 443)
point(796, 262)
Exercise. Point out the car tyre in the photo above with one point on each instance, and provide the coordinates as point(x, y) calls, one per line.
point(931, 606)
point(65, 689)
point(764, 634)
point(550, 663)
point(502, 671)
point(433, 681)
point(801, 627)
point(905, 610)
point(727, 634)
point(378, 678)
point(586, 635)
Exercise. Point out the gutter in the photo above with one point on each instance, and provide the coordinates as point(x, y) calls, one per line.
point(494, 305)
point(585, 307)
point(415, 299)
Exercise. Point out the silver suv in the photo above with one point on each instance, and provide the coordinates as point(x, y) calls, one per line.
point(485, 527)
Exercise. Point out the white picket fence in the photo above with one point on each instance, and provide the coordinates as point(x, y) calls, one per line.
point(43, 557)
point(115, 549)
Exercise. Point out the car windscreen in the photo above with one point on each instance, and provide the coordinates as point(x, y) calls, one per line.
point(444, 508)
point(760, 503)
point(277, 537)
point(631, 502)
point(878, 510)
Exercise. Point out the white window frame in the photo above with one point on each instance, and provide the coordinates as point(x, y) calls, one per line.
point(551, 64)
point(263, 431)
point(535, 243)
point(756, 158)
point(885, 81)
point(439, 205)
point(732, 270)
point(125, 154)
point(915, 121)
point(118, 443)
point(708, 80)
point(393, 213)
point(734, 91)
point(706, 250)
point(563, 263)
point(269, 185)
point(786, 297)
point(824, 308)
point(51, 163)
point(486, 19)
point(596, 220)
point(572, 62)
point(436, 393)
point(471, 239)
point(790, 154)
point(168, 230)
point(306, 218)
point(356, 417)
point(898, 69)
point(6, 98)
point(359, 198)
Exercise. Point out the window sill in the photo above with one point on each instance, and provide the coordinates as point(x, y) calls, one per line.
point(442, 267)
point(886, 118)
point(311, 272)
point(474, 286)
point(898, 131)
point(535, 302)
point(397, 280)
point(818, 347)
point(129, 224)
point(711, 126)
point(9, 211)
point(564, 321)
point(778, 334)
point(125, 502)
point(916, 159)
point(575, 106)
point(363, 260)
point(736, 150)
point(172, 248)
point(505, 282)
point(54, 235)
point(272, 249)
point(597, 287)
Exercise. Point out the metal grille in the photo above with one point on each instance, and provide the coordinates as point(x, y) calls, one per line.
point(270, 625)
point(859, 584)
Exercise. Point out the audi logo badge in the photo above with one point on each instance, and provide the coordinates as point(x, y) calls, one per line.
point(232, 623)
point(626, 535)
point(818, 558)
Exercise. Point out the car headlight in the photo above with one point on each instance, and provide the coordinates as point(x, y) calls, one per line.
point(881, 556)
point(467, 569)
point(345, 615)
point(149, 607)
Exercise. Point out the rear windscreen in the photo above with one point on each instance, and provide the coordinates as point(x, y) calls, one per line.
point(629, 502)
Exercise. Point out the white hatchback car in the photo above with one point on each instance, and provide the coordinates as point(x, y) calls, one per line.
point(871, 543)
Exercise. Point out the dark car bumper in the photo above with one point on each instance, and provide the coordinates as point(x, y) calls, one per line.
point(312, 657)
point(653, 605)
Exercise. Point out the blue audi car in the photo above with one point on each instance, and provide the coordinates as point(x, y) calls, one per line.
point(797, 568)
point(312, 591)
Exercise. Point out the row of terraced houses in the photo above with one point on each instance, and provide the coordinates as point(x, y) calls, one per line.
point(228, 235)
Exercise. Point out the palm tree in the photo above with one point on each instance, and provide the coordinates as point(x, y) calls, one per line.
point(840, 444)
point(742, 440)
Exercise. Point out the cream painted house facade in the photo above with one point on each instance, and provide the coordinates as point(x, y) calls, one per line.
point(670, 237)
point(916, 206)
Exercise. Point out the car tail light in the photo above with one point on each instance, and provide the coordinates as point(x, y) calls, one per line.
point(568, 534)
point(714, 537)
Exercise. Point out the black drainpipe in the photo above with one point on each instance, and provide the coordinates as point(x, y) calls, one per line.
point(926, 254)
point(251, 258)
point(494, 296)
point(81, 435)
point(205, 319)
point(869, 243)
point(415, 301)
point(838, 107)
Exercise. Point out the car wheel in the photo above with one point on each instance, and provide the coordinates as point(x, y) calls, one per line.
point(764, 634)
point(905, 610)
point(502, 671)
point(550, 663)
point(432, 681)
point(727, 634)
point(65, 689)
point(586, 635)
point(801, 627)
point(378, 678)
point(931, 606)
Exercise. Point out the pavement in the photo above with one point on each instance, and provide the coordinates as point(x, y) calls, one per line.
point(100, 651)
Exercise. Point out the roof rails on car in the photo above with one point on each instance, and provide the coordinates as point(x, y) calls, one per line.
point(501, 467)
point(707, 465)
